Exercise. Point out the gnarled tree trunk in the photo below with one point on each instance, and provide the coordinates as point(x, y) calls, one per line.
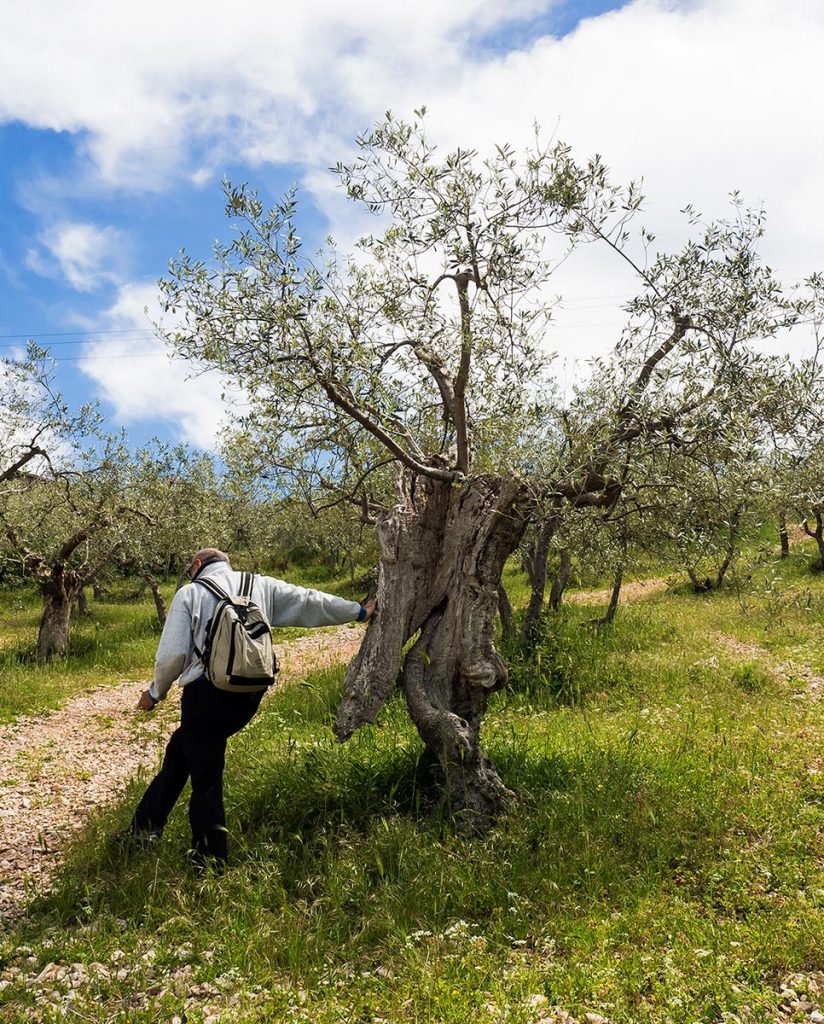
point(58, 597)
point(443, 549)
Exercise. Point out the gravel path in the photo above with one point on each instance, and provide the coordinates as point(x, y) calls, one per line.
point(58, 767)
point(813, 683)
point(632, 591)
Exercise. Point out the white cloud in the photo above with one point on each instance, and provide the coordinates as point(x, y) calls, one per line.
point(148, 81)
point(697, 96)
point(86, 255)
point(135, 374)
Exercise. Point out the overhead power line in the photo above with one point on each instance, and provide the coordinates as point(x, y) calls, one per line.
point(123, 355)
point(83, 334)
point(137, 336)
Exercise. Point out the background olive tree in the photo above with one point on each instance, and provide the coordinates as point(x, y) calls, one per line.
point(67, 525)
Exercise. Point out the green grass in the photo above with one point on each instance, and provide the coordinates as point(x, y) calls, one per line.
point(663, 861)
point(117, 641)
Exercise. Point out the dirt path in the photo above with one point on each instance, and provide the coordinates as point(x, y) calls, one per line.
point(632, 591)
point(782, 671)
point(56, 768)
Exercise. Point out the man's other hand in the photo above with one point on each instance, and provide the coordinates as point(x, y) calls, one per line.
point(146, 702)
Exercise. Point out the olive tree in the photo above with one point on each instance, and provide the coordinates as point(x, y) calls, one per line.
point(807, 459)
point(66, 527)
point(413, 377)
point(37, 426)
point(178, 489)
point(807, 495)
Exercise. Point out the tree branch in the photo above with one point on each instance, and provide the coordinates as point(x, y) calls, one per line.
point(459, 389)
point(15, 467)
point(352, 409)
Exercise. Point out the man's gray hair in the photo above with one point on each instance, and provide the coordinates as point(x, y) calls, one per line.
point(208, 555)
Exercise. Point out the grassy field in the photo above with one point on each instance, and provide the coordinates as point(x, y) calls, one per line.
point(664, 861)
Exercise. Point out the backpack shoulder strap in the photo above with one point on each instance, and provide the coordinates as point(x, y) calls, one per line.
point(221, 595)
point(247, 580)
point(213, 588)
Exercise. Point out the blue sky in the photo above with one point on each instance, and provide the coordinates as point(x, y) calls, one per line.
point(117, 123)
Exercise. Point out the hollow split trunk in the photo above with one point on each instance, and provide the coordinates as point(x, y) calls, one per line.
point(443, 549)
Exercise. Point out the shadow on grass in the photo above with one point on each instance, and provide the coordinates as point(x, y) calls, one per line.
point(347, 826)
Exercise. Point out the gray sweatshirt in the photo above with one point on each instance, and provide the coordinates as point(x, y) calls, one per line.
point(193, 607)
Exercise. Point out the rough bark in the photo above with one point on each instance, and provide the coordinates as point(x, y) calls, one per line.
point(443, 548)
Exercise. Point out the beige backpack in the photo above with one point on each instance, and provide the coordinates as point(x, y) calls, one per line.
point(238, 655)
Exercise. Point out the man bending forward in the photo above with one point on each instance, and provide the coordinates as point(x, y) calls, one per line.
point(209, 716)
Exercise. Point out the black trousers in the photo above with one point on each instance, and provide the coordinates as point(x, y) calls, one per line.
point(197, 750)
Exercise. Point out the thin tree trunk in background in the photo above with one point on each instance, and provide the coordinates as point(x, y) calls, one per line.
point(82, 602)
point(700, 586)
point(732, 533)
point(818, 536)
point(618, 579)
point(159, 603)
point(538, 579)
point(784, 537)
point(505, 612)
point(559, 584)
point(609, 614)
point(182, 577)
